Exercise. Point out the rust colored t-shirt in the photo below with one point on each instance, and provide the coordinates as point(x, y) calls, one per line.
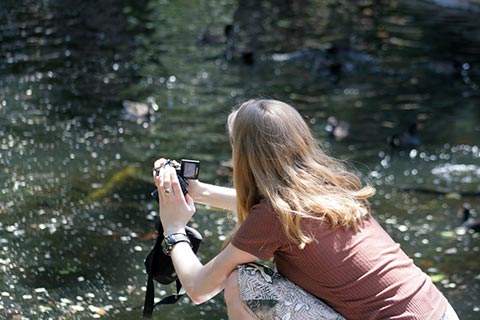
point(362, 274)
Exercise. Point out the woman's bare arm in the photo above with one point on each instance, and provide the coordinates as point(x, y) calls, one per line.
point(212, 195)
point(202, 282)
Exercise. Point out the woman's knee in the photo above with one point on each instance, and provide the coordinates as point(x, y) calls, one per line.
point(231, 291)
point(236, 309)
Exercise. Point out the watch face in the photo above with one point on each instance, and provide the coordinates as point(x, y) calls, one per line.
point(167, 245)
point(171, 240)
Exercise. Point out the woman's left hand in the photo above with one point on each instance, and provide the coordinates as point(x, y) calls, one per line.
point(175, 208)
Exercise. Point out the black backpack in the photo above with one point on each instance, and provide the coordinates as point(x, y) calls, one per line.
point(160, 268)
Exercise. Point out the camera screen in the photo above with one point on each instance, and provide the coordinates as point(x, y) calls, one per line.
point(190, 169)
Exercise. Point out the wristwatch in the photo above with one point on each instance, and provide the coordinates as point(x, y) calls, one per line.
point(171, 240)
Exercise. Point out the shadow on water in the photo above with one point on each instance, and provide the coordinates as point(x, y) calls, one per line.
point(92, 92)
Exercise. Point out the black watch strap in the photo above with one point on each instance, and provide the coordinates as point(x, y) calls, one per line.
point(171, 240)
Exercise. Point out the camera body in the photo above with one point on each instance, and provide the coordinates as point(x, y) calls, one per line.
point(187, 169)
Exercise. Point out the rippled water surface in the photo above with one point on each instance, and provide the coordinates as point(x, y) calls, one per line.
point(76, 218)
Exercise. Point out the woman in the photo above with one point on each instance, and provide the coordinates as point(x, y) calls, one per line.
point(302, 207)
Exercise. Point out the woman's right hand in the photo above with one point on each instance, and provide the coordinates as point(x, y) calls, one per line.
point(194, 185)
point(205, 193)
point(175, 208)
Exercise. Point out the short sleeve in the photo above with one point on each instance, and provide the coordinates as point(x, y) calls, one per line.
point(261, 233)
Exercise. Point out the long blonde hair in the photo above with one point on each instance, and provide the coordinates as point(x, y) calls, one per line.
point(276, 158)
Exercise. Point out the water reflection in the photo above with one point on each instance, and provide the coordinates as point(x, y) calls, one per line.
point(92, 93)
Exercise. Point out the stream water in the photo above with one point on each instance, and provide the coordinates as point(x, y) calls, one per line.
point(76, 217)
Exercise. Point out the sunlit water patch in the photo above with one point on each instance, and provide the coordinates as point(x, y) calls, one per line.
point(452, 168)
point(90, 96)
point(457, 173)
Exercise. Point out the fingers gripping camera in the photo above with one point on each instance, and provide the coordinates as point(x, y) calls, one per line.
point(188, 169)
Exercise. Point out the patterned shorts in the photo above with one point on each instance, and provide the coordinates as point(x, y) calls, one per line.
point(269, 295)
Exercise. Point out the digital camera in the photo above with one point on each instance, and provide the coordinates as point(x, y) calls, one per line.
point(188, 169)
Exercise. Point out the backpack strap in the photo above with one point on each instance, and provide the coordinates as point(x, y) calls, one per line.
point(149, 299)
point(160, 268)
point(174, 297)
point(149, 305)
